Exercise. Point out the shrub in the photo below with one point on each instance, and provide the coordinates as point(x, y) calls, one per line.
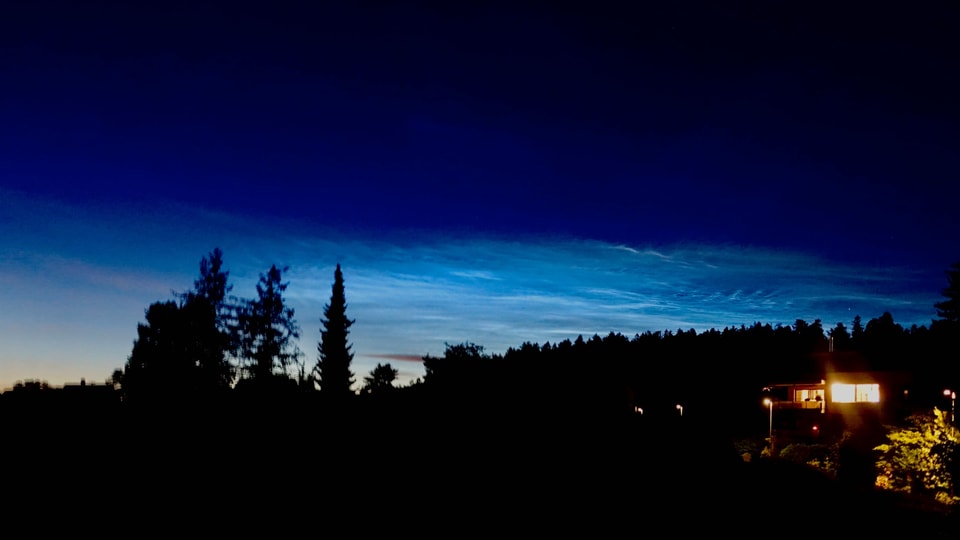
point(921, 457)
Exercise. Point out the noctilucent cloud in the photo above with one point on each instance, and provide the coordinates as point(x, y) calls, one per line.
point(493, 175)
point(81, 278)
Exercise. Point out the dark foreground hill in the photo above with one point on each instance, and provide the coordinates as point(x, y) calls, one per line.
point(439, 474)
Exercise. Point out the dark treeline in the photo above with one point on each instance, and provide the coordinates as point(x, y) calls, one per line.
point(717, 372)
point(208, 348)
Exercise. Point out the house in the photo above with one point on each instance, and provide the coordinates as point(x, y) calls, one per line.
point(846, 396)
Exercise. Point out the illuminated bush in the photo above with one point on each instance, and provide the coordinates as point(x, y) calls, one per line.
point(920, 458)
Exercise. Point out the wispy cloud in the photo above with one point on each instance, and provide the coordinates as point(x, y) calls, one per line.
point(76, 273)
point(475, 274)
point(399, 357)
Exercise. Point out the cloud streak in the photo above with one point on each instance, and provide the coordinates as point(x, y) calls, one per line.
point(399, 357)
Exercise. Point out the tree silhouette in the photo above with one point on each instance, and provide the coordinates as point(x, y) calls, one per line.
point(31, 385)
point(268, 328)
point(184, 347)
point(856, 334)
point(840, 336)
point(211, 322)
point(462, 366)
point(116, 378)
point(949, 309)
point(808, 337)
point(334, 355)
point(212, 284)
point(160, 360)
point(380, 379)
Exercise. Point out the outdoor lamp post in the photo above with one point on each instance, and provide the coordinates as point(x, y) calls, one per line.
point(953, 400)
point(680, 408)
point(769, 403)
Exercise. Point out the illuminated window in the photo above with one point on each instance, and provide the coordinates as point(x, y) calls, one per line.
point(808, 395)
point(855, 393)
point(843, 393)
point(868, 392)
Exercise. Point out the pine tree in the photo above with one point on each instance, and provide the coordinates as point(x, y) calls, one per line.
point(268, 329)
point(211, 322)
point(841, 337)
point(949, 309)
point(334, 354)
point(856, 335)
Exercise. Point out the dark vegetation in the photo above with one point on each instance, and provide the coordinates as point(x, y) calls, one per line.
point(542, 438)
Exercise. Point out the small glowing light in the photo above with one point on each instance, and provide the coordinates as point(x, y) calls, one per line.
point(816, 428)
point(946, 392)
point(767, 402)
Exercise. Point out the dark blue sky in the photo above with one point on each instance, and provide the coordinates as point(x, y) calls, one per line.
point(766, 132)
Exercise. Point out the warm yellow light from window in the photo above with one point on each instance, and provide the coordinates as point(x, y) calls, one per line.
point(843, 393)
point(855, 393)
point(869, 393)
point(808, 394)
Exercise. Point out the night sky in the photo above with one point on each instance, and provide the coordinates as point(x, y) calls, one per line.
point(495, 174)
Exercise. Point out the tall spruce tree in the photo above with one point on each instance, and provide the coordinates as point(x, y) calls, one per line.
point(334, 355)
